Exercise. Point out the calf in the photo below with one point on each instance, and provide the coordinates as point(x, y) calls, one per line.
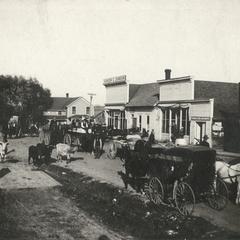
point(32, 154)
point(3, 150)
point(64, 150)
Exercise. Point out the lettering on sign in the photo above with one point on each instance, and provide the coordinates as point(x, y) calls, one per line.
point(113, 80)
point(198, 118)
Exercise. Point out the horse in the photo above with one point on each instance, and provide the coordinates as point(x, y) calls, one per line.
point(136, 163)
point(229, 174)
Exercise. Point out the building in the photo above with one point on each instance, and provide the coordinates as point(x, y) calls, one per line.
point(63, 109)
point(180, 104)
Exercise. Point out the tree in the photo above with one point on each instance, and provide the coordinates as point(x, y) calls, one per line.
point(25, 98)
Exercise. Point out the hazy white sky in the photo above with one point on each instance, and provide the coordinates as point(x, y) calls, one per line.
point(72, 45)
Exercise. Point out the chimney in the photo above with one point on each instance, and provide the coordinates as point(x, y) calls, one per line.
point(167, 74)
point(67, 95)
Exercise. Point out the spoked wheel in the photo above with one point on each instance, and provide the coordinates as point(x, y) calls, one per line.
point(78, 143)
point(97, 148)
point(156, 191)
point(112, 151)
point(67, 139)
point(217, 197)
point(46, 138)
point(184, 198)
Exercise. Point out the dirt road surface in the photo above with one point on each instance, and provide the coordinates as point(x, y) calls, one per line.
point(36, 207)
point(33, 207)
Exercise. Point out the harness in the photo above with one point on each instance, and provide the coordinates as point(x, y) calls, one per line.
point(233, 179)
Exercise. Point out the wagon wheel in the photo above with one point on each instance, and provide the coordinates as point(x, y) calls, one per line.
point(78, 143)
point(46, 139)
point(184, 198)
point(156, 191)
point(67, 139)
point(112, 153)
point(41, 136)
point(217, 197)
point(97, 148)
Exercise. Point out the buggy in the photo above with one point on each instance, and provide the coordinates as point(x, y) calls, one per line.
point(176, 176)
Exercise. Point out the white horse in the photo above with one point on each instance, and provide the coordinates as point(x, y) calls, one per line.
point(229, 174)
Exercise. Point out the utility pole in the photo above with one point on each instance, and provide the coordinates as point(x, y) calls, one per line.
point(91, 98)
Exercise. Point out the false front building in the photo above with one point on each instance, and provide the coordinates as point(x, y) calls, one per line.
point(173, 104)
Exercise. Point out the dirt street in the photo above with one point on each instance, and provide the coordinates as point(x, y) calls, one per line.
point(72, 205)
point(33, 207)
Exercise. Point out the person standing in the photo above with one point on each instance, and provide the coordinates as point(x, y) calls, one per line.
point(204, 141)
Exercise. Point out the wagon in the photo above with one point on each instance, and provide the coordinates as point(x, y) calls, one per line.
point(182, 176)
point(86, 139)
point(118, 142)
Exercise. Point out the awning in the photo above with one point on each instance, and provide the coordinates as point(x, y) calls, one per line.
point(174, 106)
point(117, 108)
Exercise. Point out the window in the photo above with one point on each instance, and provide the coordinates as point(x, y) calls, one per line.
point(140, 122)
point(185, 121)
point(165, 121)
point(73, 110)
point(122, 120)
point(148, 122)
point(87, 110)
point(59, 113)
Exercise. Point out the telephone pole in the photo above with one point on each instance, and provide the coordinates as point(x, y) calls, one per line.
point(91, 98)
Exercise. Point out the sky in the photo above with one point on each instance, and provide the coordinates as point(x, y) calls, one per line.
point(70, 46)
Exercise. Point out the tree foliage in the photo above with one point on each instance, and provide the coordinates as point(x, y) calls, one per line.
point(25, 98)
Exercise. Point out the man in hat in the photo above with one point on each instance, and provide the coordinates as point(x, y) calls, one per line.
point(204, 141)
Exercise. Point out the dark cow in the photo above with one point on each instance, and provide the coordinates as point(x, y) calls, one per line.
point(40, 153)
point(32, 154)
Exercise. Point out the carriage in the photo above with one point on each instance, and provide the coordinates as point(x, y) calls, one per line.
point(176, 176)
point(88, 139)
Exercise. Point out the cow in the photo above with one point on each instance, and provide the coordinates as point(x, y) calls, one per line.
point(64, 150)
point(3, 150)
point(32, 154)
point(40, 153)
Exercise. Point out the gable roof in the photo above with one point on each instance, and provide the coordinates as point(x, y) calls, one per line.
point(226, 95)
point(146, 95)
point(60, 103)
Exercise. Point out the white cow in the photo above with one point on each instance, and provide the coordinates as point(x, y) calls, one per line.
point(64, 150)
point(3, 150)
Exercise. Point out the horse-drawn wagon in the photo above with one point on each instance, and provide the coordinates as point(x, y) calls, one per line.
point(177, 176)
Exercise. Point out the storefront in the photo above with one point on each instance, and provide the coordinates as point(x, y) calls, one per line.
point(117, 95)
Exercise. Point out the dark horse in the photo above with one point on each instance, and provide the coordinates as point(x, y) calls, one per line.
point(136, 165)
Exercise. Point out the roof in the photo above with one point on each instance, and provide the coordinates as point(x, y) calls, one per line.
point(60, 103)
point(146, 95)
point(98, 109)
point(226, 95)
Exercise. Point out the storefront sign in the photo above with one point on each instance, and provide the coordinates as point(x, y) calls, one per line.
point(198, 118)
point(115, 80)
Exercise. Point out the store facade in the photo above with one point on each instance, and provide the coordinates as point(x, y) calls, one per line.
point(117, 95)
point(182, 105)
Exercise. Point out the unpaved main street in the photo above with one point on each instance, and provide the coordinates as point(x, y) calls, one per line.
point(35, 206)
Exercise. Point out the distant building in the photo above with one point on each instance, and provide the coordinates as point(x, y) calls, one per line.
point(169, 105)
point(63, 109)
point(99, 115)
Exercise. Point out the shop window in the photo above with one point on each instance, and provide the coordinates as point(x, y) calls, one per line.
point(140, 122)
point(185, 121)
point(122, 120)
point(73, 110)
point(148, 122)
point(165, 121)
